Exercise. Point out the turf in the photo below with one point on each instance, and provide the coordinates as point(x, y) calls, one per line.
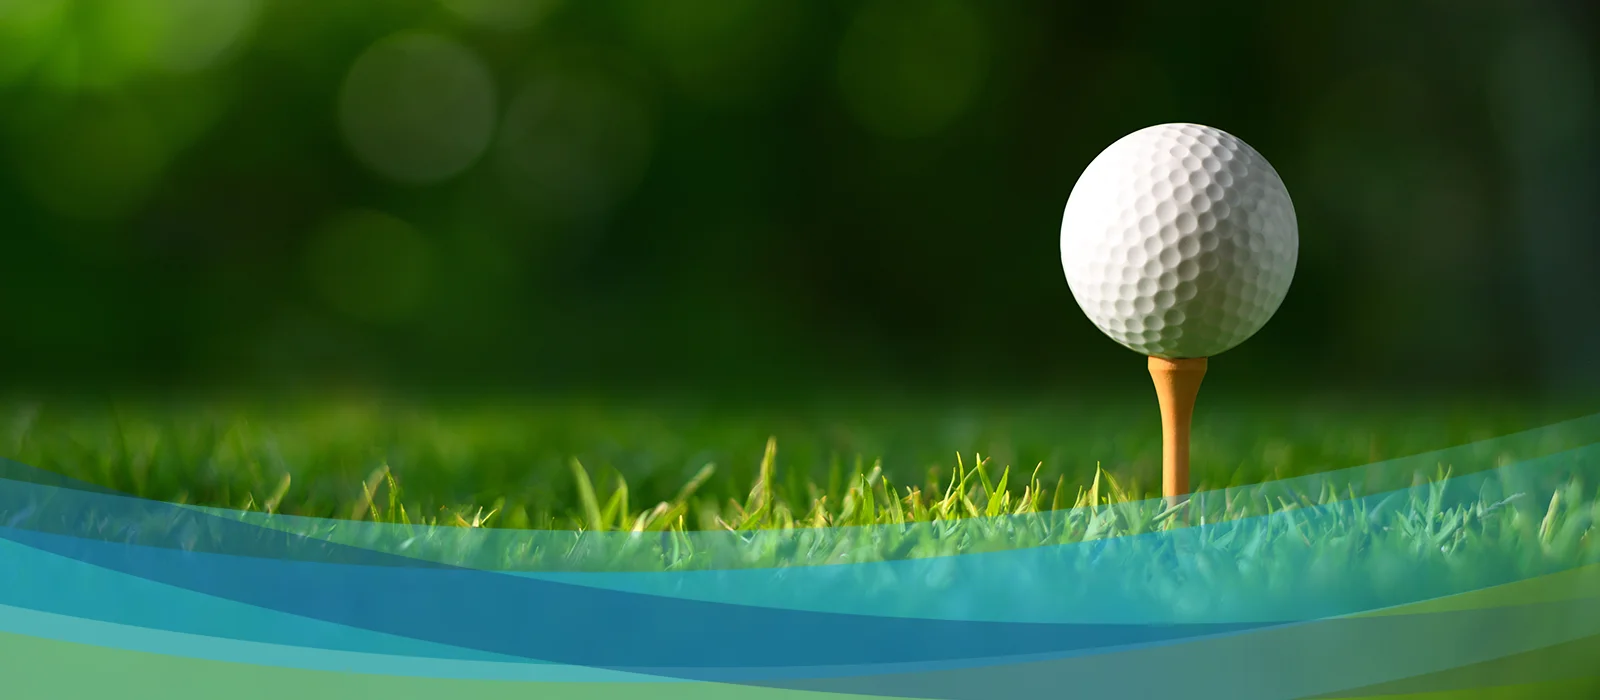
point(576, 464)
point(727, 487)
point(723, 485)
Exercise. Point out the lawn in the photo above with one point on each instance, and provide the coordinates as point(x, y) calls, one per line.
point(521, 464)
point(1317, 508)
point(724, 482)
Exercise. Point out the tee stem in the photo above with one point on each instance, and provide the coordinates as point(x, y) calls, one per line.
point(1177, 384)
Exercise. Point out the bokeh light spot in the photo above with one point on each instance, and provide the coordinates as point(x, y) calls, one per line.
point(722, 52)
point(198, 33)
point(28, 28)
point(908, 69)
point(573, 144)
point(369, 265)
point(503, 15)
point(91, 160)
point(104, 45)
point(1544, 89)
point(75, 46)
point(418, 108)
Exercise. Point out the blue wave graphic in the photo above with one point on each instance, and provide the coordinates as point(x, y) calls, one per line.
point(1209, 601)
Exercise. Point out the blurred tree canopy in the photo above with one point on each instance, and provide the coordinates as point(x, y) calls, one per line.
point(706, 193)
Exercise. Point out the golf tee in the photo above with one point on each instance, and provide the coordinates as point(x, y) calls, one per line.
point(1177, 384)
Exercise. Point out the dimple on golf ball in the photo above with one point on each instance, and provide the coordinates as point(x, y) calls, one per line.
point(1179, 241)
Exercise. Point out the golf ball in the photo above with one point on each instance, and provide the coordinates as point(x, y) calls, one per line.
point(1179, 241)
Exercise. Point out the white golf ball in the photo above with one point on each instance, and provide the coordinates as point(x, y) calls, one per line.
point(1179, 241)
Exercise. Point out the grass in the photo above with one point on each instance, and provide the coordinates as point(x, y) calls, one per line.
point(576, 465)
point(575, 486)
point(1070, 471)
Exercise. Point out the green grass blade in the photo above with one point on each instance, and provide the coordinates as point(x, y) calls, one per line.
point(593, 518)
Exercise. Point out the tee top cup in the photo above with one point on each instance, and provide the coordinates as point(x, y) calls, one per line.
point(1179, 242)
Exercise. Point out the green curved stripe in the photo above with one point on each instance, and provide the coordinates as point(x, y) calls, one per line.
point(1572, 584)
point(31, 667)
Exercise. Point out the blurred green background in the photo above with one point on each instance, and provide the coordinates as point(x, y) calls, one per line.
point(773, 195)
